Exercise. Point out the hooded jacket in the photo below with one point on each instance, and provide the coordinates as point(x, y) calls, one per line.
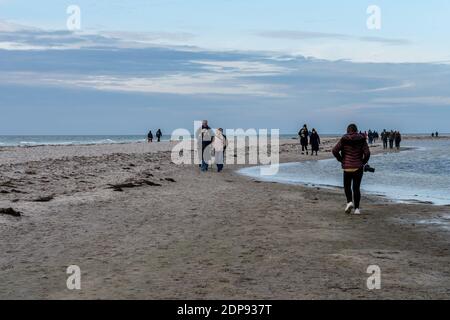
point(352, 151)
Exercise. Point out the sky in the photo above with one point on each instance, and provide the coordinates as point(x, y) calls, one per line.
point(138, 64)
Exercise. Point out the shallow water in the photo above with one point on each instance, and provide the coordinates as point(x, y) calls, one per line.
point(420, 174)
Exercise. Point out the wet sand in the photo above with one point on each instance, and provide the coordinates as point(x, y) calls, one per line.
point(141, 227)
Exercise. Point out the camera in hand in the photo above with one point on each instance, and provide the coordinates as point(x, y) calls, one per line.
point(368, 168)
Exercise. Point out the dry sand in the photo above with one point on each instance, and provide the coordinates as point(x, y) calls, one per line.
point(172, 232)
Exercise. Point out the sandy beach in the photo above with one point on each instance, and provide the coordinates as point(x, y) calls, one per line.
point(141, 227)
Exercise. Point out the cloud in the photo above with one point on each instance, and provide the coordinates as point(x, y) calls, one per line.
point(150, 37)
point(122, 68)
point(403, 85)
point(311, 35)
point(300, 35)
point(7, 26)
point(430, 101)
point(182, 84)
point(242, 68)
point(151, 70)
point(387, 41)
point(131, 62)
point(18, 37)
point(178, 84)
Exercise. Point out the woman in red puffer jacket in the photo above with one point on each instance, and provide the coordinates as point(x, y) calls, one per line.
point(353, 152)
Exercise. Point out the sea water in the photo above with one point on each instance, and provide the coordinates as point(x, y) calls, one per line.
point(421, 173)
point(35, 140)
point(38, 140)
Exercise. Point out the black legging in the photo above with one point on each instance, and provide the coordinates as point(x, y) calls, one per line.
point(356, 178)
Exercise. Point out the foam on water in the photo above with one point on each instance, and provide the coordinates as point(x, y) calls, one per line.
point(31, 141)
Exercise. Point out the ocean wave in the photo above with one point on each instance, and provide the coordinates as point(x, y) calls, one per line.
point(86, 141)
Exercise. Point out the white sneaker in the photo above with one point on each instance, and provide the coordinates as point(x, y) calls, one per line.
point(357, 212)
point(349, 207)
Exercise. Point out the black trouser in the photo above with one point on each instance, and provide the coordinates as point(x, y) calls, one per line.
point(391, 144)
point(304, 143)
point(385, 144)
point(355, 178)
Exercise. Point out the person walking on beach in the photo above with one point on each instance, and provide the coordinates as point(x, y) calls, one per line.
point(353, 152)
point(314, 141)
point(219, 144)
point(437, 134)
point(204, 137)
point(370, 136)
point(398, 139)
point(304, 133)
point(384, 137)
point(150, 136)
point(158, 135)
point(391, 139)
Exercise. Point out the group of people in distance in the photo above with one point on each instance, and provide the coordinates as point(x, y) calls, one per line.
point(372, 136)
point(150, 136)
point(311, 138)
point(433, 135)
point(392, 137)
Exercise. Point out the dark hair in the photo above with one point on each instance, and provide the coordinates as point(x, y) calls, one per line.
point(352, 128)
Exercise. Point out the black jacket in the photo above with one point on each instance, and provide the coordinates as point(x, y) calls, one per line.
point(314, 141)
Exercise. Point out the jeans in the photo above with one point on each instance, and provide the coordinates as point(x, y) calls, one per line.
point(204, 166)
point(354, 178)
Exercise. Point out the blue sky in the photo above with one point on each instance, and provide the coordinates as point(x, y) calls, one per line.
point(241, 63)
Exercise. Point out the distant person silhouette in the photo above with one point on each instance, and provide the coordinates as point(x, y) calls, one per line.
point(398, 139)
point(375, 136)
point(158, 135)
point(391, 139)
point(314, 141)
point(150, 136)
point(304, 133)
point(370, 135)
point(385, 137)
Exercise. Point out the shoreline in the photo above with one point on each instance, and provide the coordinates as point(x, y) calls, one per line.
point(141, 227)
point(338, 187)
point(283, 137)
